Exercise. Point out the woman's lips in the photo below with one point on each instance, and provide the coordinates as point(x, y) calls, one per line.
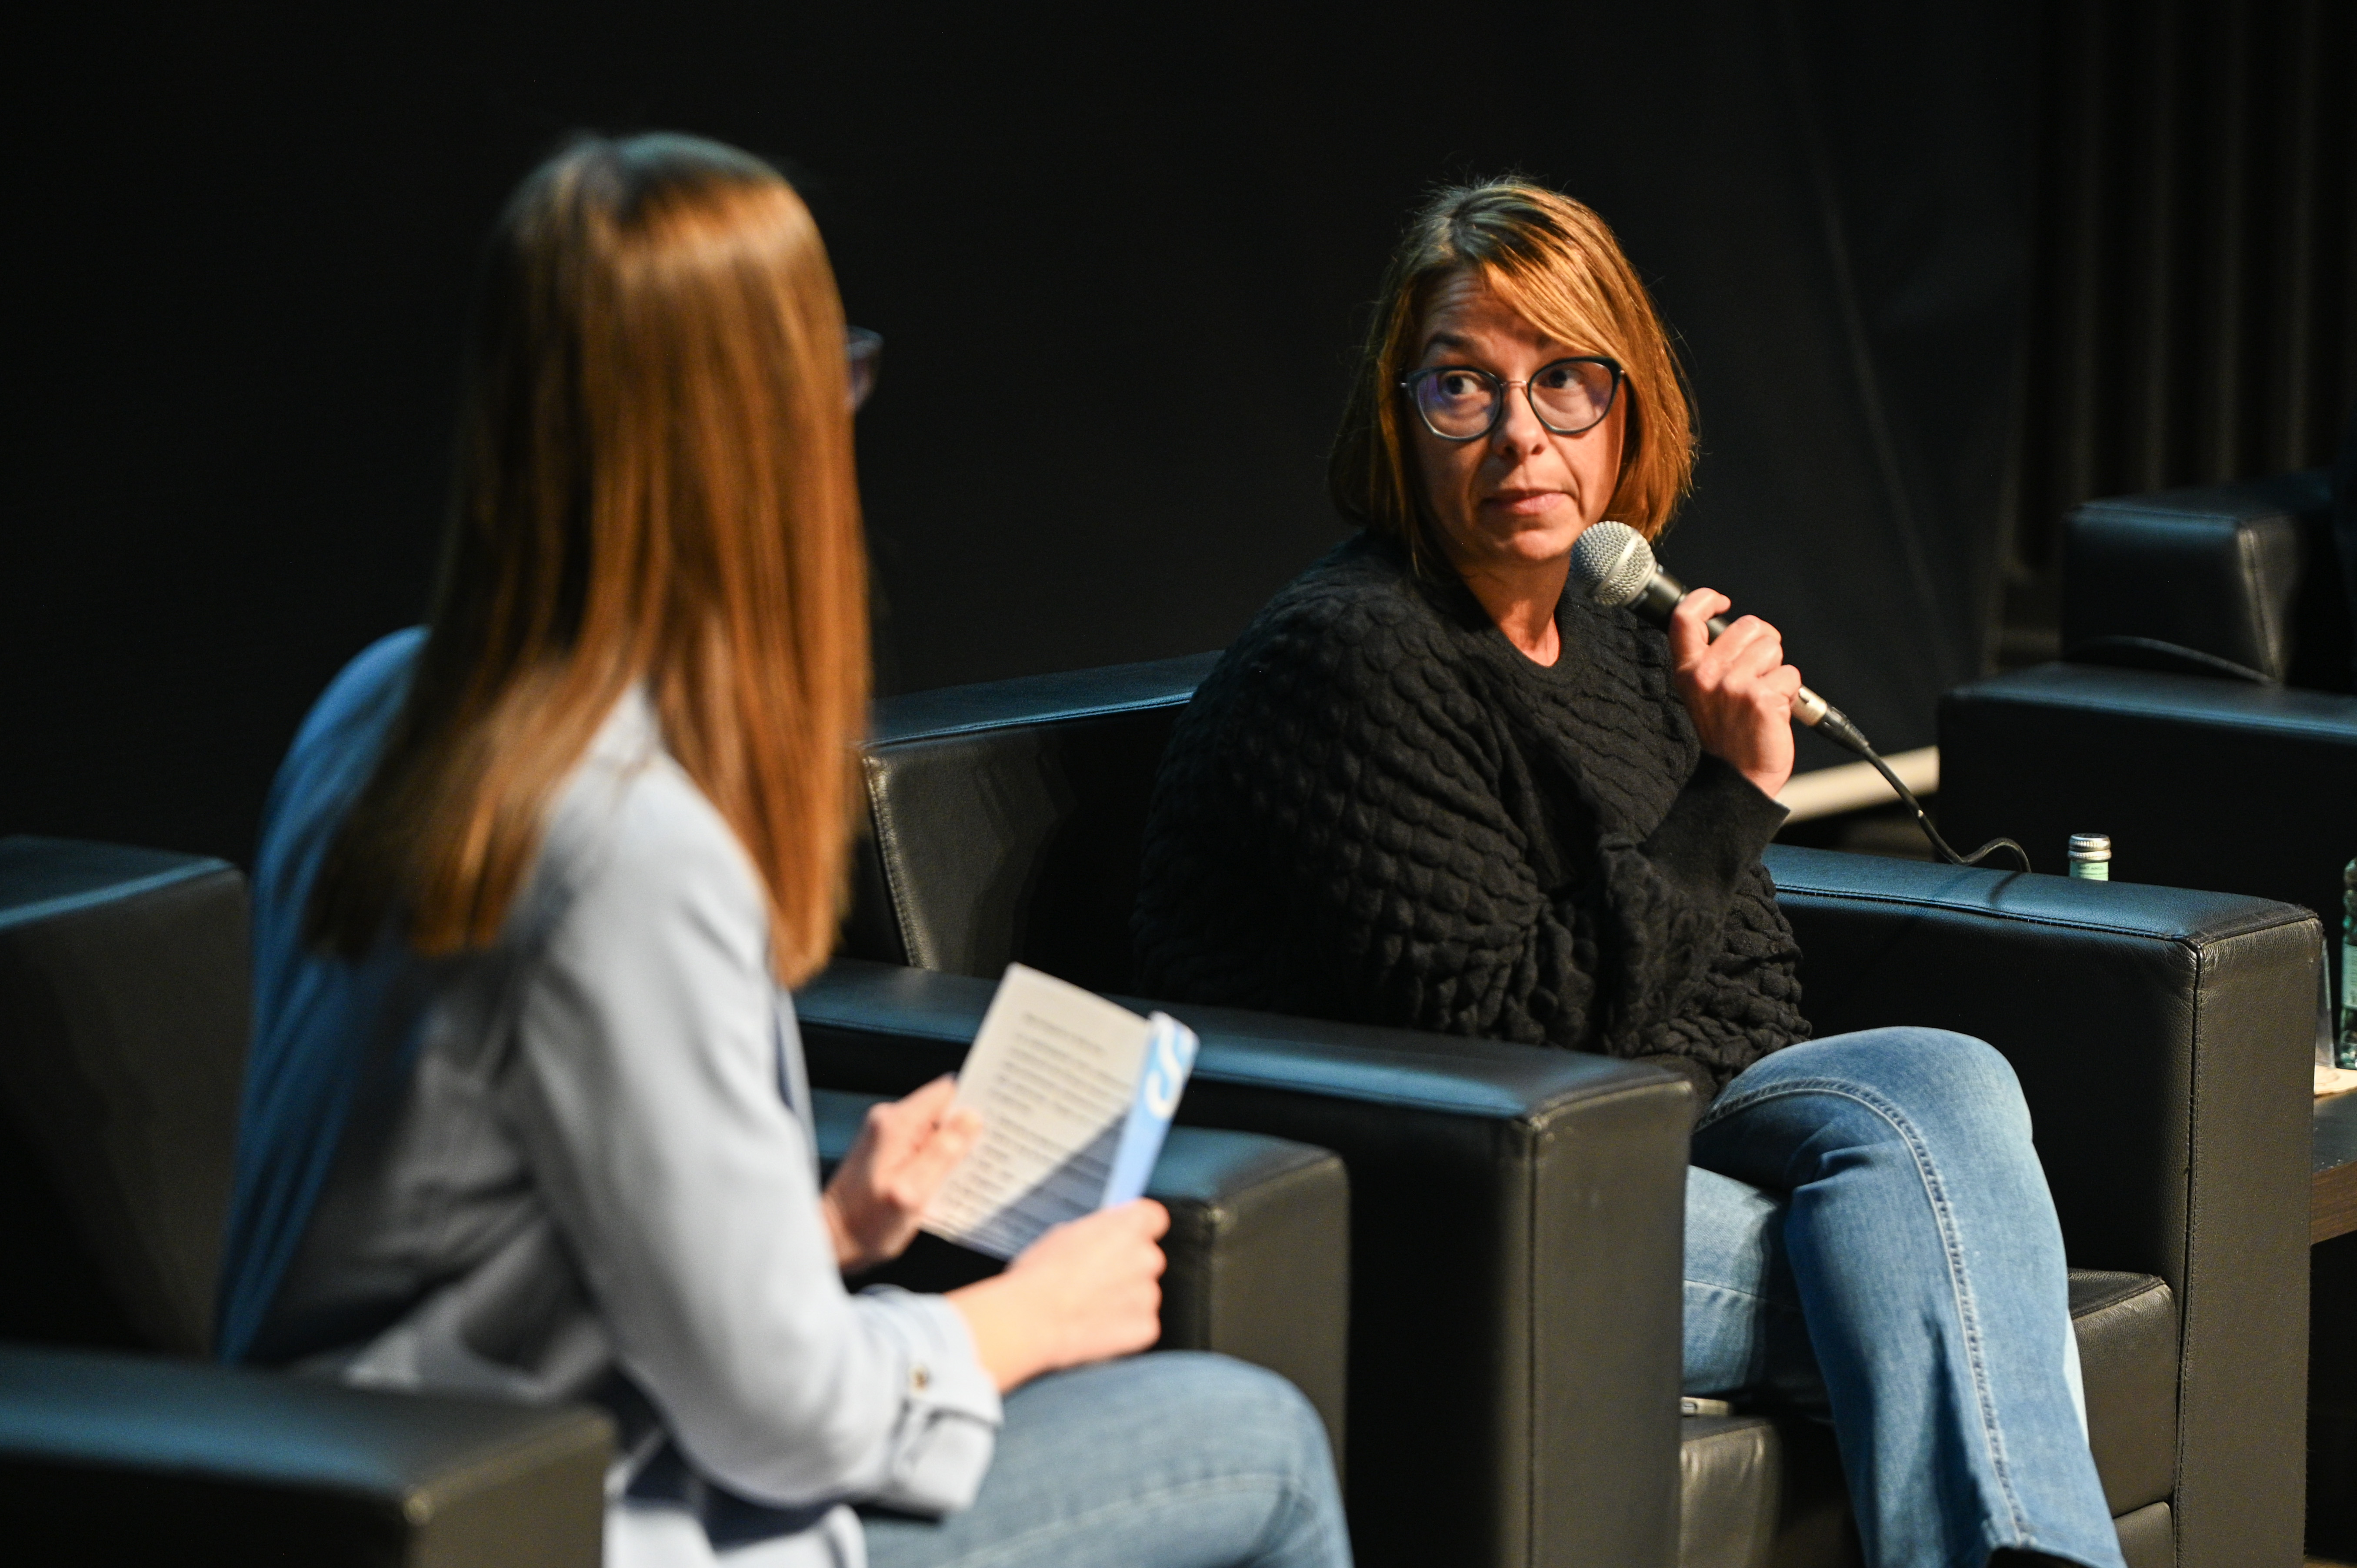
point(1522, 503)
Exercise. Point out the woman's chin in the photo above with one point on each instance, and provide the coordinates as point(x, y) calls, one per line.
point(1503, 538)
point(1533, 542)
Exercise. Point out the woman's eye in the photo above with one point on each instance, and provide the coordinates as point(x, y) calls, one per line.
point(1554, 378)
point(1457, 384)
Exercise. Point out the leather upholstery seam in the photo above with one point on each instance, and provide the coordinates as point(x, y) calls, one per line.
point(888, 854)
point(816, 1017)
point(2238, 722)
point(1307, 1168)
point(2177, 515)
point(1038, 721)
point(2195, 943)
point(1532, 1345)
point(2147, 1284)
point(1526, 1114)
point(66, 904)
point(2247, 547)
point(2197, 1074)
point(472, 1475)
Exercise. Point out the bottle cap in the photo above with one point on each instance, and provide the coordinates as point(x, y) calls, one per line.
point(2090, 856)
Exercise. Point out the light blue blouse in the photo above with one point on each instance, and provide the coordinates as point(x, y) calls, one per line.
point(581, 1165)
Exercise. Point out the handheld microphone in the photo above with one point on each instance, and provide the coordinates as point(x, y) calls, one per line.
point(1619, 568)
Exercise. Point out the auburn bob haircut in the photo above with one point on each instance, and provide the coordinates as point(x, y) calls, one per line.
point(1556, 263)
point(653, 484)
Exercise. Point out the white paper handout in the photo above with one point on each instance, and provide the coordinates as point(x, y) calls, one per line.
point(1075, 1095)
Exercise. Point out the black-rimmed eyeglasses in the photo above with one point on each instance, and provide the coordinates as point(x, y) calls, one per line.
point(1459, 402)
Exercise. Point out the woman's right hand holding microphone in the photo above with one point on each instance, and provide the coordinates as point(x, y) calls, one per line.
point(1738, 689)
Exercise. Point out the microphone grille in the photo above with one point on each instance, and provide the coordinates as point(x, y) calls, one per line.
point(1614, 561)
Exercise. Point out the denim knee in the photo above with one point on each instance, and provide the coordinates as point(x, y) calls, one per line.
point(1260, 1420)
point(1929, 1078)
point(1959, 1075)
point(1734, 1235)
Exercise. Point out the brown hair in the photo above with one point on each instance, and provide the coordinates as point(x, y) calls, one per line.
point(653, 484)
point(1555, 262)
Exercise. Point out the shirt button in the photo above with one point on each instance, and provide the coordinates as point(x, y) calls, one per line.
point(918, 1377)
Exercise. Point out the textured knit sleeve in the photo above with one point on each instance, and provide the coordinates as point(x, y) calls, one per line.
point(650, 1035)
point(1352, 792)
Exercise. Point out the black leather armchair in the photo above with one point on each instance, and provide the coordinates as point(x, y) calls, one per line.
point(2162, 1039)
point(1517, 1213)
point(2201, 713)
point(123, 1036)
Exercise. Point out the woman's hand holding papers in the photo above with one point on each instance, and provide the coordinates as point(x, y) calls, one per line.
point(1087, 1291)
point(905, 1152)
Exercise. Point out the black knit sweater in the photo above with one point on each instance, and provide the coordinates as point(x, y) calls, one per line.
point(1378, 810)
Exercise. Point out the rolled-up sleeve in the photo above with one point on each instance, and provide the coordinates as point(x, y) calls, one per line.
point(949, 1404)
point(645, 1087)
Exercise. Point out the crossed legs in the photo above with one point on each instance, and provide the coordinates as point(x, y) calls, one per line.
point(1869, 1235)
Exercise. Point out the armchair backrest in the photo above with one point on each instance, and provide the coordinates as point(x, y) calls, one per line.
point(2241, 578)
point(1008, 819)
point(122, 1035)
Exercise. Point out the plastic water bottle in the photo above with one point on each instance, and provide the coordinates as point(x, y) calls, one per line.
point(2090, 856)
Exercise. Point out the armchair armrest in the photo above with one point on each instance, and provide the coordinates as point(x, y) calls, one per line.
point(126, 1458)
point(1517, 1232)
point(2163, 1039)
point(2201, 782)
point(1258, 1253)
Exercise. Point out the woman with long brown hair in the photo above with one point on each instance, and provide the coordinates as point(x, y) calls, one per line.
point(526, 1111)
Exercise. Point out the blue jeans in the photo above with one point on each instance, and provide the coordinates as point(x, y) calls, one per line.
point(1173, 1460)
point(1869, 1232)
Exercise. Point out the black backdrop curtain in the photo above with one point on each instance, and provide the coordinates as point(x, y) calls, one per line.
point(1083, 235)
point(2192, 314)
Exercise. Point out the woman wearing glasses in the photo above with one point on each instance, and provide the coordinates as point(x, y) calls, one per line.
point(1428, 788)
point(526, 1112)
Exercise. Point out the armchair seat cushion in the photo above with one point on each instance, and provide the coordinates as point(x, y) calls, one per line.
point(1756, 1491)
point(2126, 1326)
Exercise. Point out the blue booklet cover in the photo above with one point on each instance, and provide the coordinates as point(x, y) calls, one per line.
point(1170, 1057)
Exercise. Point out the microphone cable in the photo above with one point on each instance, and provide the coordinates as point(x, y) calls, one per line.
point(1619, 567)
point(1849, 735)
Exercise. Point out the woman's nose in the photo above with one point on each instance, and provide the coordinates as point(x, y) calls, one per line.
point(1519, 429)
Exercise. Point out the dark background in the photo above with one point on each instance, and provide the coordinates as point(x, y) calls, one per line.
point(1938, 273)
